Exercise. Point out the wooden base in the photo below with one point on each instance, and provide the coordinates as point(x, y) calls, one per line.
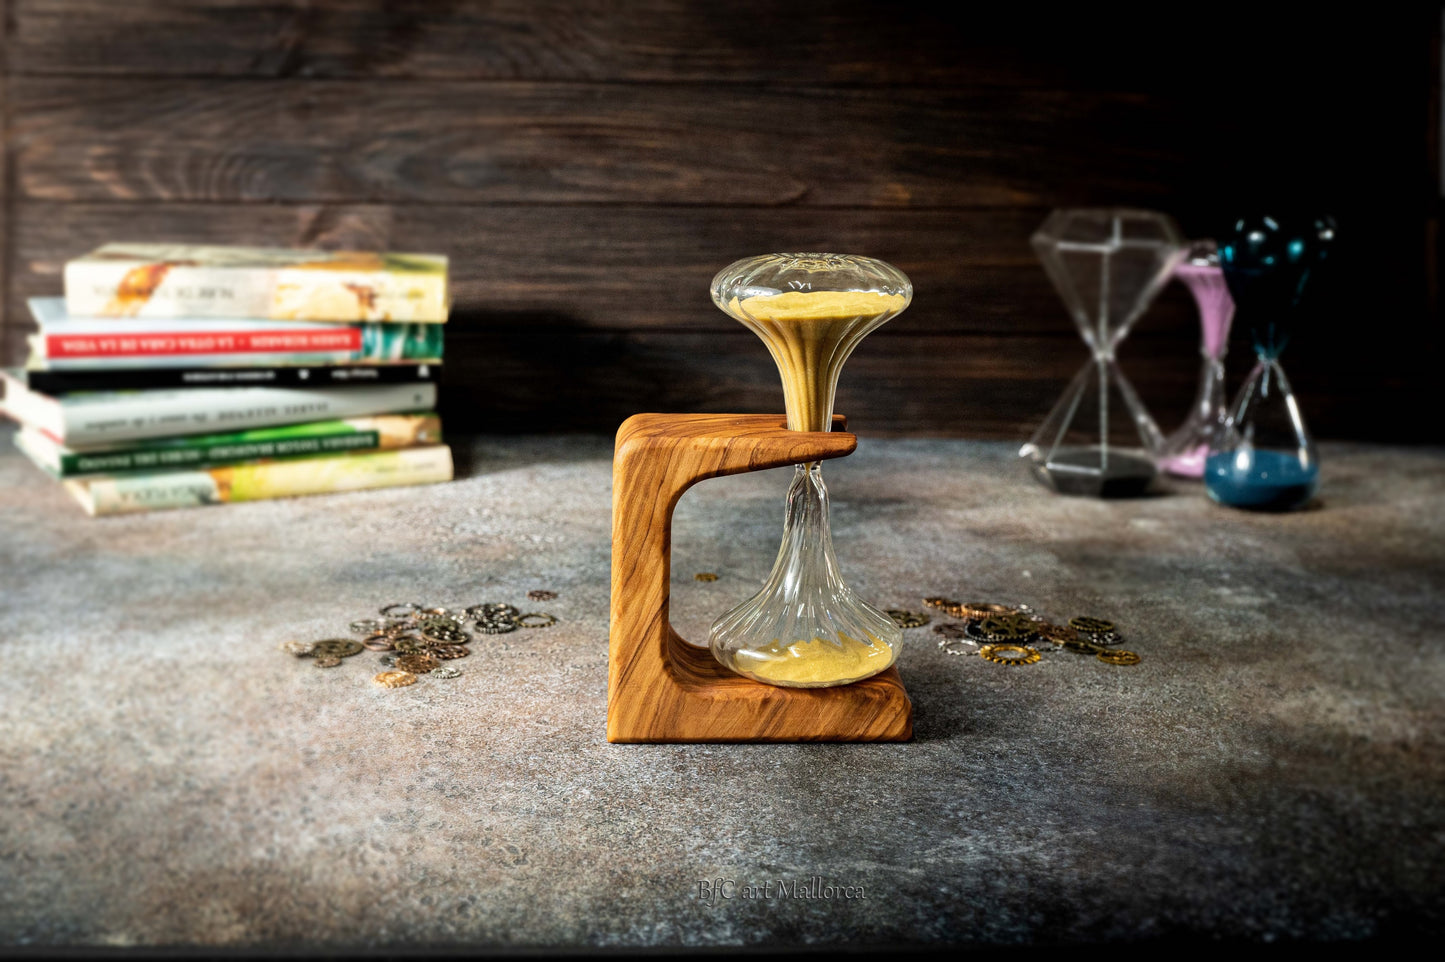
point(659, 687)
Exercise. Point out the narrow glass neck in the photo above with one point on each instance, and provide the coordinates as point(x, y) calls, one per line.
point(805, 556)
point(1270, 376)
point(805, 526)
point(1269, 341)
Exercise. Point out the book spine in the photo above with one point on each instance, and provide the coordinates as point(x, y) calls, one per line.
point(151, 378)
point(280, 479)
point(387, 432)
point(87, 344)
point(342, 339)
point(107, 418)
point(158, 361)
point(319, 292)
point(215, 455)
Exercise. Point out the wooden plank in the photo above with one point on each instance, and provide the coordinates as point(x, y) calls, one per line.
point(577, 316)
point(609, 268)
point(544, 39)
point(447, 143)
point(737, 41)
point(5, 218)
point(553, 377)
point(726, 41)
point(500, 379)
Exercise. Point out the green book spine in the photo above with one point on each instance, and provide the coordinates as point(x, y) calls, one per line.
point(108, 462)
point(380, 432)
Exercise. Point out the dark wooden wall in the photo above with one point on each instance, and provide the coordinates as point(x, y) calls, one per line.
point(588, 166)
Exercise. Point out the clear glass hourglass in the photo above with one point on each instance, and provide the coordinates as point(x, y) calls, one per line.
point(1107, 264)
point(1262, 456)
point(806, 628)
point(1185, 449)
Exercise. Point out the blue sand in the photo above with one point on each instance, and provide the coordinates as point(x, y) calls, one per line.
point(1272, 480)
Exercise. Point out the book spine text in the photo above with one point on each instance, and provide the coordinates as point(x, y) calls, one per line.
point(102, 462)
point(230, 342)
point(136, 416)
point(280, 479)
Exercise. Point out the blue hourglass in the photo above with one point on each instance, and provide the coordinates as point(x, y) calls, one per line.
point(1262, 457)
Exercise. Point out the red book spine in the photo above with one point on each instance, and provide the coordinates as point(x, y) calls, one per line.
point(220, 342)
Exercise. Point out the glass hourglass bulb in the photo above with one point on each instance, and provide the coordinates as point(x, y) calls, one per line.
point(1184, 451)
point(1262, 457)
point(806, 628)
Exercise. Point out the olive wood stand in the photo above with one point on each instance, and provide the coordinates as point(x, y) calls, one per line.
point(659, 687)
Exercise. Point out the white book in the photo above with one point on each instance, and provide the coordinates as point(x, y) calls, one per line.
point(187, 280)
point(103, 417)
point(52, 316)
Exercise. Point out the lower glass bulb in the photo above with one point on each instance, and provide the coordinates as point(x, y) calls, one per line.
point(1262, 458)
point(806, 628)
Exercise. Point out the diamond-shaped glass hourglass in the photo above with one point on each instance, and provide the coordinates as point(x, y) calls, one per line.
point(1107, 264)
point(806, 628)
point(1262, 456)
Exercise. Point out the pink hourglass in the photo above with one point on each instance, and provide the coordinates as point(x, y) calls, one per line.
point(1184, 451)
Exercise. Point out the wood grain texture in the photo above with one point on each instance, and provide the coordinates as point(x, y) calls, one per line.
point(953, 385)
point(661, 689)
point(510, 39)
point(508, 142)
point(608, 268)
point(735, 42)
point(738, 41)
point(508, 378)
point(5, 213)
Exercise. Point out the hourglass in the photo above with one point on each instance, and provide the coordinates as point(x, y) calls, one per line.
point(1262, 457)
point(1184, 450)
point(806, 627)
point(804, 658)
point(1107, 265)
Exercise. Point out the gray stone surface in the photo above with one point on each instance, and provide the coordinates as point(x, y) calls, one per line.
point(1272, 770)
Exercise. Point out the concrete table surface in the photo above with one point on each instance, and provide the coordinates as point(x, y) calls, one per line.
point(1273, 770)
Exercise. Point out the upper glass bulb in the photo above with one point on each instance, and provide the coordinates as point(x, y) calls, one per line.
point(811, 310)
point(1108, 264)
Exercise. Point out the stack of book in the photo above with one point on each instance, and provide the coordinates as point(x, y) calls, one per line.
point(171, 376)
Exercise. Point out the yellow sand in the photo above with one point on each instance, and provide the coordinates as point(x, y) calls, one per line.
point(810, 334)
point(816, 662)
